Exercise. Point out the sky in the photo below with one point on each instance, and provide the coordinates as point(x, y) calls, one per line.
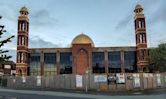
point(109, 23)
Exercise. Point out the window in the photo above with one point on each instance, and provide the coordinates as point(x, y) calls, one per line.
point(34, 62)
point(139, 24)
point(114, 62)
point(98, 62)
point(130, 61)
point(66, 63)
point(142, 38)
point(20, 57)
point(50, 64)
point(22, 40)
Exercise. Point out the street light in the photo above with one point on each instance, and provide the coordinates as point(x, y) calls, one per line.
point(86, 87)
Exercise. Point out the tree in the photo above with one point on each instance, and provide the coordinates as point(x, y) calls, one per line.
point(158, 58)
point(3, 56)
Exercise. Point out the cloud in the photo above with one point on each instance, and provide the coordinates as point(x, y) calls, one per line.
point(42, 18)
point(147, 4)
point(159, 15)
point(37, 42)
point(124, 22)
point(34, 42)
point(8, 12)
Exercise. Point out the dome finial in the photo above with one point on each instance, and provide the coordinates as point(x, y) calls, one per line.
point(24, 11)
point(138, 8)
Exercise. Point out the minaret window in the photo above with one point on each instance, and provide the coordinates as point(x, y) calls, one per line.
point(135, 24)
point(22, 40)
point(22, 27)
point(18, 57)
point(22, 57)
point(142, 38)
point(137, 38)
point(143, 25)
point(139, 24)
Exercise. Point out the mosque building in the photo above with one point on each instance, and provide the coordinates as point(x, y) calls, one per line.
point(82, 56)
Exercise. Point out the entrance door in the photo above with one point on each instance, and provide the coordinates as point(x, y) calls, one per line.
point(82, 62)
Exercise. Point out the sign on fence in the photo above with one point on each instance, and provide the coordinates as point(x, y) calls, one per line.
point(38, 80)
point(120, 78)
point(136, 81)
point(79, 81)
point(23, 79)
point(111, 79)
point(158, 79)
point(100, 78)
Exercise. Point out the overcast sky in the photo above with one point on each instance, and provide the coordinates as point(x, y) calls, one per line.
point(54, 23)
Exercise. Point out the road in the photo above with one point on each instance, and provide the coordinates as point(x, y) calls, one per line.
point(27, 94)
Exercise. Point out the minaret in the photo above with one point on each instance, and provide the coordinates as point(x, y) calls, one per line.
point(22, 43)
point(141, 39)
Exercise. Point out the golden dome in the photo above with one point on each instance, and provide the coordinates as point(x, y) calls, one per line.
point(82, 39)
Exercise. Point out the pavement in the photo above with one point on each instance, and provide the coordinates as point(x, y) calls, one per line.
point(156, 91)
point(70, 94)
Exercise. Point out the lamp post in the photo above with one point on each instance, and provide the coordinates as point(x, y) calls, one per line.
point(86, 86)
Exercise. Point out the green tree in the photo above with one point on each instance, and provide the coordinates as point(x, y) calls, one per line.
point(158, 58)
point(3, 56)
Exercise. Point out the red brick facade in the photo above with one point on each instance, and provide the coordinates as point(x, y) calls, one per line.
point(82, 55)
point(141, 39)
point(22, 43)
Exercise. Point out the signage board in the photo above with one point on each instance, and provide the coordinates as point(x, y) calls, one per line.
point(111, 79)
point(100, 78)
point(158, 79)
point(7, 66)
point(79, 81)
point(23, 79)
point(120, 78)
point(136, 80)
point(14, 80)
point(13, 72)
point(38, 80)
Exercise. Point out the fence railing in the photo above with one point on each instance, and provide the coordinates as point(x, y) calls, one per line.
point(112, 82)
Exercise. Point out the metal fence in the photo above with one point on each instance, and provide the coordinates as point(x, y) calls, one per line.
point(110, 82)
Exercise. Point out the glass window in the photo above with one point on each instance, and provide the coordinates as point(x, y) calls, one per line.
point(130, 61)
point(50, 64)
point(98, 62)
point(34, 62)
point(114, 62)
point(66, 63)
